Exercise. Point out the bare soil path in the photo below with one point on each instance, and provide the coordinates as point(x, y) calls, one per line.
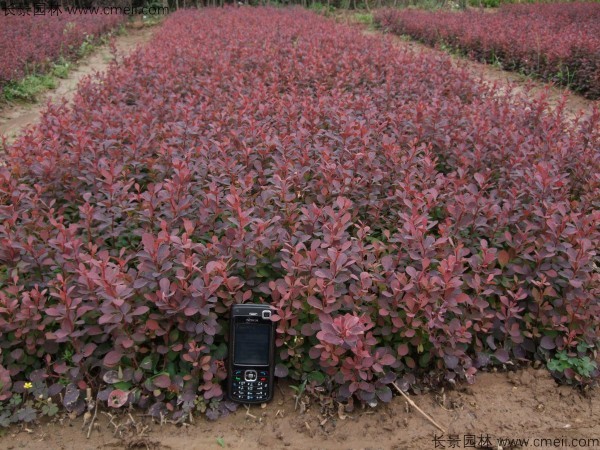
point(15, 117)
point(526, 404)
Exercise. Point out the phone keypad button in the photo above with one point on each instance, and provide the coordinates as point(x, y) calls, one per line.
point(250, 385)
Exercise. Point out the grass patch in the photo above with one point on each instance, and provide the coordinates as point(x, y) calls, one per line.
point(365, 18)
point(29, 87)
point(62, 68)
point(87, 47)
point(321, 8)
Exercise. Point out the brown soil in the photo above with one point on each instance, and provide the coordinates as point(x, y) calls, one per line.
point(514, 405)
point(15, 117)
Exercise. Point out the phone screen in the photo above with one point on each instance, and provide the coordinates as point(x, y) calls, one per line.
point(252, 344)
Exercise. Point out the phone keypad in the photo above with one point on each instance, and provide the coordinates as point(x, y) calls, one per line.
point(251, 391)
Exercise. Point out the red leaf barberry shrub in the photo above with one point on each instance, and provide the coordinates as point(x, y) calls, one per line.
point(555, 41)
point(30, 43)
point(398, 215)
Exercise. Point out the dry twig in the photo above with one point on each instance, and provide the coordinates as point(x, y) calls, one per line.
point(93, 419)
point(248, 412)
point(409, 400)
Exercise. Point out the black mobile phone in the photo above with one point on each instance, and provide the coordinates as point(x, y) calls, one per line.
point(251, 353)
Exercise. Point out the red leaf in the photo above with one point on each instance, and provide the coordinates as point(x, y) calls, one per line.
point(162, 381)
point(503, 257)
point(403, 350)
point(117, 398)
point(112, 358)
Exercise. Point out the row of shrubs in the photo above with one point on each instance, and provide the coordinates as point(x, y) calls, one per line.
point(31, 43)
point(400, 217)
point(558, 42)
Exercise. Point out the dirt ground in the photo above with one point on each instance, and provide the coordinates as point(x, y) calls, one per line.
point(525, 404)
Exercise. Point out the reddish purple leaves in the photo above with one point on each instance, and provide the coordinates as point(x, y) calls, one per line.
point(396, 213)
point(32, 42)
point(557, 42)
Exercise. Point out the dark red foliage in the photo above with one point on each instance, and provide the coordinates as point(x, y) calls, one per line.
point(558, 42)
point(30, 43)
point(397, 214)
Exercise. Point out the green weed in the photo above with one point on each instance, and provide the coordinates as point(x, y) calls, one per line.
point(29, 87)
point(61, 68)
point(364, 18)
point(579, 364)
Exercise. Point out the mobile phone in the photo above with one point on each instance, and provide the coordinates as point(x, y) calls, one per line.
point(251, 353)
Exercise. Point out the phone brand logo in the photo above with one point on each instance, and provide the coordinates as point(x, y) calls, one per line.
point(253, 314)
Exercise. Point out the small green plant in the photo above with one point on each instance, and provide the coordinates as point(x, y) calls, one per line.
point(320, 8)
point(61, 68)
point(575, 367)
point(445, 47)
point(565, 76)
point(495, 61)
point(87, 46)
point(121, 30)
point(69, 27)
point(29, 87)
point(35, 401)
point(67, 355)
point(451, 49)
point(299, 390)
point(221, 441)
point(485, 3)
point(364, 18)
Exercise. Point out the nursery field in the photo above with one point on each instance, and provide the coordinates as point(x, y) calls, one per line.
point(558, 42)
point(410, 226)
point(16, 116)
point(31, 43)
